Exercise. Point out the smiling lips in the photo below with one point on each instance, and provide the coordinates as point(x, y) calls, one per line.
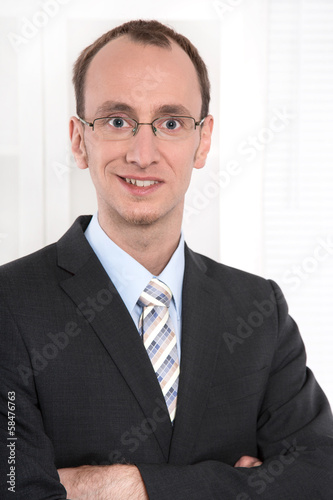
point(140, 183)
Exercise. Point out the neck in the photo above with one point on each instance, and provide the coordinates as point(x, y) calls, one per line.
point(151, 245)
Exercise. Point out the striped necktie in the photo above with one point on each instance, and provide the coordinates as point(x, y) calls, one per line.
point(160, 339)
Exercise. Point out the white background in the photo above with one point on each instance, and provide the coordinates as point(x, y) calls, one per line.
point(266, 208)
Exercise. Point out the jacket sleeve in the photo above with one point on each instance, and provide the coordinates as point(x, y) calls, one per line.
point(27, 466)
point(294, 437)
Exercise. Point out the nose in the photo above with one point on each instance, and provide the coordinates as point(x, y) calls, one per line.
point(143, 147)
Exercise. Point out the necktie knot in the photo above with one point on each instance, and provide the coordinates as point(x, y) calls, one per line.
point(156, 293)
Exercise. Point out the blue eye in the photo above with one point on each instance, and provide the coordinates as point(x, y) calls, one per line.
point(171, 124)
point(117, 122)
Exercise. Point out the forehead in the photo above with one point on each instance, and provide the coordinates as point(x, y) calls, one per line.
point(145, 77)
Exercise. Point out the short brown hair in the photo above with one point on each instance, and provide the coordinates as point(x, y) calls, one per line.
point(145, 32)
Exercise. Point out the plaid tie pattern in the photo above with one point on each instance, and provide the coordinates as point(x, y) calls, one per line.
point(160, 340)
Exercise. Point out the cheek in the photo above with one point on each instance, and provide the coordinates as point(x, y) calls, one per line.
point(100, 158)
point(181, 160)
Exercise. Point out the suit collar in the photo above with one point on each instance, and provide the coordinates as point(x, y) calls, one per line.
point(73, 250)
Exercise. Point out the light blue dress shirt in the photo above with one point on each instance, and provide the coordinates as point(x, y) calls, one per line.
point(130, 278)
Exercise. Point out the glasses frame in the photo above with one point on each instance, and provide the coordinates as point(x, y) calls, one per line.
point(137, 124)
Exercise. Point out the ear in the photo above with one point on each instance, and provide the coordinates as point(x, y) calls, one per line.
point(78, 145)
point(205, 142)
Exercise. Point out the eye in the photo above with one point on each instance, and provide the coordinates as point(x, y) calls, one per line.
point(171, 124)
point(118, 122)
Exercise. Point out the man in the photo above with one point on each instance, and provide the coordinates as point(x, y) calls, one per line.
point(131, 361)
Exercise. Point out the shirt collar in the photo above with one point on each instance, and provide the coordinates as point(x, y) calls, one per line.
point(129, 276)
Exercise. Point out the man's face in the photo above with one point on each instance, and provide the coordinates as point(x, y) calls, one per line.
point(143, 82)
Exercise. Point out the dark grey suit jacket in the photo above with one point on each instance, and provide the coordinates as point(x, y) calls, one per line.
point(86, 393)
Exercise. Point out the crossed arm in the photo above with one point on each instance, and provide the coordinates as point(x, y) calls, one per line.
point(121, 482)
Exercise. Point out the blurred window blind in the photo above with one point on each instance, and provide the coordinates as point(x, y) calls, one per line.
point(298, 177)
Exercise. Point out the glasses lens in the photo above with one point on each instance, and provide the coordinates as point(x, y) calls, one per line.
point(114, 128)
point(174, 127)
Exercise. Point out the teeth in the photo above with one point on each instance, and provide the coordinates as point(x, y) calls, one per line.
point(139, 183)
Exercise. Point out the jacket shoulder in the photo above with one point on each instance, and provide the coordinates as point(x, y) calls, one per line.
point(32, 267)
point(43, 263)
point(227, 274)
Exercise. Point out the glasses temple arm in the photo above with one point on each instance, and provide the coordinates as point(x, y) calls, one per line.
point(197, 124)
point(86, 123)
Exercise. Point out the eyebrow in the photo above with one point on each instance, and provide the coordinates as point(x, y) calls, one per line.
point(166, 109)
point(173, 109)
point(112, 106)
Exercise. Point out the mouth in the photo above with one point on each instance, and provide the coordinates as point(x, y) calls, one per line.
point(140, 183)
point(140, 187)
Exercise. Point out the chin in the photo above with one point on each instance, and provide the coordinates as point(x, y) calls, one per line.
point(142, 219)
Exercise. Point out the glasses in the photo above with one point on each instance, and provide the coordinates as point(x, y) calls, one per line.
point(119, 128)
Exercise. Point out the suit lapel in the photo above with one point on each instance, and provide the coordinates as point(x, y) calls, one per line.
point(201, 318)
point(113, 325)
